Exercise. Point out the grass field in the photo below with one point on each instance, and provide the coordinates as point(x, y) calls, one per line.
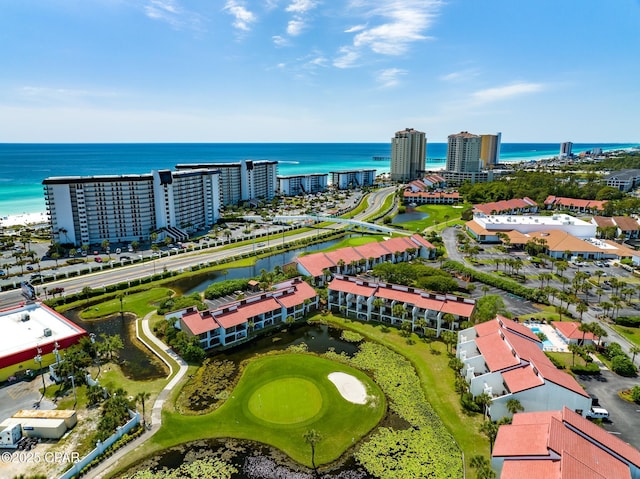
point(277, 400)
point(632, 334)
point(439, 215)
point(355, 241)
point(139, 303)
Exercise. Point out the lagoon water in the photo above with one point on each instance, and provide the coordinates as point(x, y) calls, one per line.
point(24, 166)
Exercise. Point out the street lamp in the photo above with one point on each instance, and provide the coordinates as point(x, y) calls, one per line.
point(38, 359)
point(73, 386)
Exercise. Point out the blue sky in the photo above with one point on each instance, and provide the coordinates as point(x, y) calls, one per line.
point(318, 71)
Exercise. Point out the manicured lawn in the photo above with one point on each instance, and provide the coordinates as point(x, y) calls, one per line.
point(355, 241)
point(438, 215)
point(139, 303)
point(276, 401)
point(437, 379)
point(632, 334)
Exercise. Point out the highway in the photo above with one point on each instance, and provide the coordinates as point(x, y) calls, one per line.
point(113, 275)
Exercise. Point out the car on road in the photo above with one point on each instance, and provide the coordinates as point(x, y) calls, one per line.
point(124, 258)
point(29, 268)
point(2, 273)
point(98, 259)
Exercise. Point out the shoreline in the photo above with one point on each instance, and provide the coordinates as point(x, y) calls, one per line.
point(24, 219)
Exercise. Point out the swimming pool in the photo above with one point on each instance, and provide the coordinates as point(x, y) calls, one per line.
point(546, 343)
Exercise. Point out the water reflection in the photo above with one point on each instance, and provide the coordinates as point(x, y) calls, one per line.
point(411, 214)
point(199, 283)
point(135, 360)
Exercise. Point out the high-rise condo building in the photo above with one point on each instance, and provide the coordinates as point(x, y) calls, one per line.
point(463, 152)
point(244, 180)
point(408, 155)
point(490, 150)
point(565, 149)
point(85, 210)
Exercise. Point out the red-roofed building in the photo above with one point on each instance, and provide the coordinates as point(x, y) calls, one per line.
point(570, 332)
point(231, 323)
point(353, 260)
point(514, 206)
point(622, 225)
point(576, 205)
point(504, 359)
point(373, 301)
point(431, 197)
point(561, 445)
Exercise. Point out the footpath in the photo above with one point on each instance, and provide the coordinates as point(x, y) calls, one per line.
point(107, 466)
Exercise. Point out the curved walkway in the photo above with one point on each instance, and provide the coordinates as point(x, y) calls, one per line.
point(106, 467)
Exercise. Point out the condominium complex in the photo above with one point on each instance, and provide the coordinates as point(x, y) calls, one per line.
point(408, 155)
point(490, 150)
point(243, 181)
point(302, 184)
point(90, 209)
point(343, 180)
point(463, 152)
point(565, 149)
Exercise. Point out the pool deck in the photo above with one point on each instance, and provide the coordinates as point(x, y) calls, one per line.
point(557, 343)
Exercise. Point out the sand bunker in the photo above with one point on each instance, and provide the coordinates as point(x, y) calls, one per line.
point(350, 387)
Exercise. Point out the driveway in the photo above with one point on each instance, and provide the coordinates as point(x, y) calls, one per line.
point(624, 417)
point(22, 395)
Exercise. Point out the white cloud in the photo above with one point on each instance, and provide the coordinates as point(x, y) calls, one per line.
point(355, 28)
point(170, 11)
point(301, 6)
point(489, 95)
point(295, 27)
point(390, 77)
point(279, 41)
point(243, 16)
point(347, 59)
point(395, 24)
point(459, 76)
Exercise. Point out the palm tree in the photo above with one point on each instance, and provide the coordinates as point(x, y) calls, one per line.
point(634, 350)
point(490, 429)
point(482, 467)
point(581, 308)
point(575, 349)
point(514, 406)
point(585, 328)
point(141, 397)
point(484, 401)
point(312, 437)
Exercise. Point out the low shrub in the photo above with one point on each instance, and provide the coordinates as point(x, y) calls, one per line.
point(588, 369)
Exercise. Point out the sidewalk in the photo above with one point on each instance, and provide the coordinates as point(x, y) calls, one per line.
point(154, 425)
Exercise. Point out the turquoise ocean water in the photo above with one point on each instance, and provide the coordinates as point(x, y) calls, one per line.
point(24, 166)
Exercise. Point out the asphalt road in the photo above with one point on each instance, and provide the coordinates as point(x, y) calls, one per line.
point(111, 275)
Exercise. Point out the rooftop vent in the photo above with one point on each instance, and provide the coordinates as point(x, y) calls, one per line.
point(47, 332)
point(25, 317)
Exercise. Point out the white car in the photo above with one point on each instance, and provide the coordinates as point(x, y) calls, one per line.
point(597, 413)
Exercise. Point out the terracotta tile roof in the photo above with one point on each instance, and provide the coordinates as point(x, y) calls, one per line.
point(315, 263)
point(245, 311)
point(416, 238)
point(521, 379)
point(569, 329)
point(522, 440)
point(562, 241)
point(374, 250)
point(626, 223)
point(479, 230)
point(347, 255)
point(458, 308)
point(575, 203)
point(505, 205)
point(301, 292)
point(603, 221)
point(515, 237)
point(496, 353)
point(199, 323)
point(431, 194)
point(346, 286)
point(576, 448)
point(517, 328)
point(621, 250)
point(531, 470)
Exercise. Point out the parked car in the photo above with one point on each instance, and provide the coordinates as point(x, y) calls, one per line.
point(2, 272)
point(29, 268)
point(597, 413)
point(98, 259)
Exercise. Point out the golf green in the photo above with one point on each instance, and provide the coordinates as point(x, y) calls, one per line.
point(286, 401)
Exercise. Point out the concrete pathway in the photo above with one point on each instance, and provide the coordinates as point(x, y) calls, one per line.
point(107, 466)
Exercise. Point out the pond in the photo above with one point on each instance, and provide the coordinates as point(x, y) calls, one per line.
point(198, 283)
point(411, 214)
point(135, 360)
point(258, 461)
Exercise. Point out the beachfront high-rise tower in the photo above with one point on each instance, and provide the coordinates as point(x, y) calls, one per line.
point(565, 149)
point(490, 151)
point(463, 152)
point(408, 155)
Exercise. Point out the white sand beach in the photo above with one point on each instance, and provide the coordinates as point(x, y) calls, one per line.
point(24, 219)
